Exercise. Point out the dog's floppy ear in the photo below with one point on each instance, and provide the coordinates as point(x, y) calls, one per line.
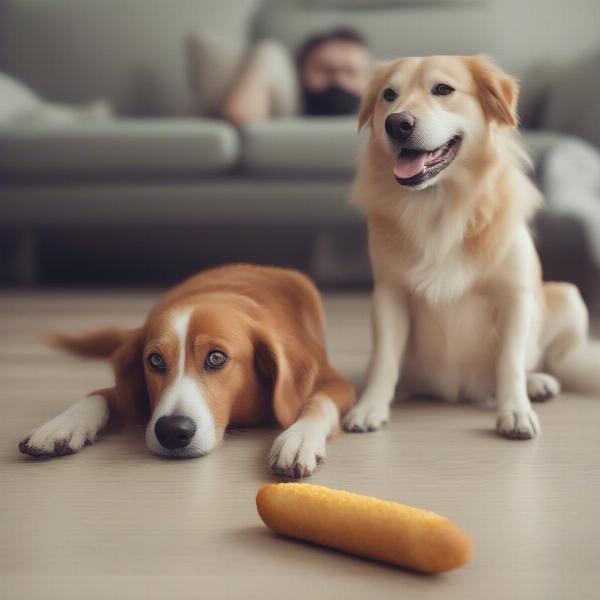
point(288, 371)
point(380, 72)
point(130, 395)
point(498, 93)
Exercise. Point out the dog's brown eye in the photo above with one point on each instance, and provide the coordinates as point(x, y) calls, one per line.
point(441, 89)
point(215, 360)
point(389, 94)
point(157, 363)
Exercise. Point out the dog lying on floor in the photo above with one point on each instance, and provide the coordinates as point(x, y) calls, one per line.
point(459, 306)
point(233, 346)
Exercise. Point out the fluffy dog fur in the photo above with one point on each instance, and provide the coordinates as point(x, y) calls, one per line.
point(268, 323)
point(459, 307)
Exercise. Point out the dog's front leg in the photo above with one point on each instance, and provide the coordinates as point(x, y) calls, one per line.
point(69, 431)
point(516, 418)
point(390, 322)
point(298, 450)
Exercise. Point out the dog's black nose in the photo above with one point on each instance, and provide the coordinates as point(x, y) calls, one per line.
point(174, 431)
point(399, 126)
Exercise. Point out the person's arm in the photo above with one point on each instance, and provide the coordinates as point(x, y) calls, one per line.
point(249, 99)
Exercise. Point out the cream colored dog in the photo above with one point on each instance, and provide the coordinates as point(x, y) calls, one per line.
point(459, 307)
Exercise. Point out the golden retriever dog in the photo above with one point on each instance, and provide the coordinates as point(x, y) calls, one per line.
point(237, 346)
point(459, 307)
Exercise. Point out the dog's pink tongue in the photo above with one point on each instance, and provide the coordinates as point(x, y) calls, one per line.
point(408, 166)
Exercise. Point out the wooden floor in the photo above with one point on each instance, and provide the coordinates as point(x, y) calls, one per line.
point(115, 522)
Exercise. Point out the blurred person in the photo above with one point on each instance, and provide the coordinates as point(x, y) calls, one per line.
point(329, 77)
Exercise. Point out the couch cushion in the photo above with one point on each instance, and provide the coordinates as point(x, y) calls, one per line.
point(119, 147)
point(315, 146)
point(329, 146)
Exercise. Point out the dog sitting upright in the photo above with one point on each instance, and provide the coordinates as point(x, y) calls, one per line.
point(459, 307)
point(236, 345)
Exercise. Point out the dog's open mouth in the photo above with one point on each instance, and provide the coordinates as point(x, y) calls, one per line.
point(413, 167)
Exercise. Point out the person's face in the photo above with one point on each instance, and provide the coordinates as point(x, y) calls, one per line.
point(342, 63)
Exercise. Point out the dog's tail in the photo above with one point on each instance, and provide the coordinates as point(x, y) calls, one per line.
point(94, 344)
point(578, 369)
point(571, 356)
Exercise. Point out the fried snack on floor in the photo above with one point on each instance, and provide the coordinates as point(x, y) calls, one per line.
point(394, 533)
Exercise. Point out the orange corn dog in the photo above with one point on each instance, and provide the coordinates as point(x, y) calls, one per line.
point(386, 531)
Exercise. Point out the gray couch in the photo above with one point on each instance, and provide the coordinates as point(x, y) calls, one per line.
point(167, 160)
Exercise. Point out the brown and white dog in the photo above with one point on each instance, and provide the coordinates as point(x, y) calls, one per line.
point(459, 307)
point(233, 346)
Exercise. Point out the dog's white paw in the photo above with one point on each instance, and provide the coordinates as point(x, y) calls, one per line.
point(518, 424)
point(367, 416)
point(57, 437)
point(68, 432)
point(296, 452)
point(542, 387)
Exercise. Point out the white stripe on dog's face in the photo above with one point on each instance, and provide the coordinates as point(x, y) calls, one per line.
point(183, 397)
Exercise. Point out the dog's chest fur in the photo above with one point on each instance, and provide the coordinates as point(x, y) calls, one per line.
point(453, 340)
point(441, 271)
point(452, 348)
point(422, 247)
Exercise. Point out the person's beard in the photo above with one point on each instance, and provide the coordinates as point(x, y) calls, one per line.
point(331, 101)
